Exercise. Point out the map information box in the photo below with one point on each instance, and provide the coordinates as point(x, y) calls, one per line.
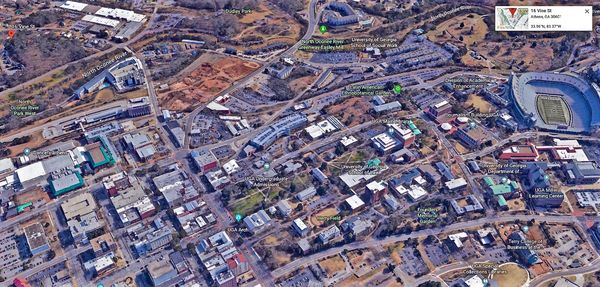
point(544, 18)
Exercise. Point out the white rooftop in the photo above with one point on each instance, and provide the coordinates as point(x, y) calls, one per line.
point(217, 107)
point(300, 224)
point(100, 20)
point(346, 141)
point(314, 131)
point(457, 238)
point(576, 154)
point(475, 281)
point(455, 183)
point(440, 104)
point(72, 5)
point(570, 143)
point(121, 14)
point(231, 167)
point(354, 202)
point(416, 192)
point(352, 180)
point(31, 171)
point(326, 126)
point(376, 186)
point(6, 164)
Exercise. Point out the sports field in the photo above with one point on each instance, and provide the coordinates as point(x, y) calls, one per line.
point(553, 110)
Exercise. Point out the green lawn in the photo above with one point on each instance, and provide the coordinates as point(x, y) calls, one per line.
point(247, 205)
point(273, 192)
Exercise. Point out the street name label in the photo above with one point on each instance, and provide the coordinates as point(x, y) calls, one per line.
point(544, 18)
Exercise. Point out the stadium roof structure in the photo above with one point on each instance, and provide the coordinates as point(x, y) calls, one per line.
point(556, 102)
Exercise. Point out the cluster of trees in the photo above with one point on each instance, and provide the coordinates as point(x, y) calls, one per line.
point(290, 6)
point(19, 141)
point(281, 89)
point(42, 18)
point(218, 4)
point(224, 25)
point(33, 50)
point(175, 66)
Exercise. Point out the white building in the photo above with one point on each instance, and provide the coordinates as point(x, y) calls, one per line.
point(354, 202)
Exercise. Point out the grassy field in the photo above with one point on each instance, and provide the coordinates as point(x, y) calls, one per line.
point(553, 110)
point(394, 249)
point(247, 205)
point(317, 219)
point(105, 95)
point(333, 264)
point(451, 30)
point(479, 103)
point(515, 276)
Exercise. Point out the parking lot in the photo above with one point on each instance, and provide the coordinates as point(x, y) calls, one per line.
point(410, 263)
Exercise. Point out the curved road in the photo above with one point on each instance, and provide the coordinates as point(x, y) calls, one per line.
point(305, 261)
point(312, 23)
point(95, 55)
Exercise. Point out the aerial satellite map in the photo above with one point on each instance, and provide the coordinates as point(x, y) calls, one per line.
point(300, 143)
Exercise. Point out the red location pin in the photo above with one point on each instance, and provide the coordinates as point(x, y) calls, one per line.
point(11, 34)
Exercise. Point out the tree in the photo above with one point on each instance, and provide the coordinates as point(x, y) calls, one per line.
point(321, 190)
point(191, 248)
point(299, 207)
point(430, 284)
point(51, 254)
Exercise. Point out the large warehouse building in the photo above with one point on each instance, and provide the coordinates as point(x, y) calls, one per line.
point(555, 102)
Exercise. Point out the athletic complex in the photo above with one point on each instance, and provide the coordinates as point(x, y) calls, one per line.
point(555, 102)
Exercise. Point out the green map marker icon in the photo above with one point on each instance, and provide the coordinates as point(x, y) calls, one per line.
point(238, 217)
point(397, 88)
point(323, 29)
point(26, 151)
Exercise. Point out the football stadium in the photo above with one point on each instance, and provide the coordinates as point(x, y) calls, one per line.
point(555, 102)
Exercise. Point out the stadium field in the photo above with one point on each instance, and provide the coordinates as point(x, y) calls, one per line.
point(553, 110)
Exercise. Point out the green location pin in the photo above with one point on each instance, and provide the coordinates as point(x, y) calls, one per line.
point(525, 229)
point(26, 151)
point(267, 166)
point(238, 217)
point(397, 89)
point(323, 29)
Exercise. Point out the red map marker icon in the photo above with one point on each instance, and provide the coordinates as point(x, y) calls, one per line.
point(11, 34)
point(512, 11)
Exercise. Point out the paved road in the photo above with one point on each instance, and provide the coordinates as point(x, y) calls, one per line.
point(305, 261)
point(95, 55)
point(241, 83)
point(592, 267)
point(48, 264)
point(33, 129)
